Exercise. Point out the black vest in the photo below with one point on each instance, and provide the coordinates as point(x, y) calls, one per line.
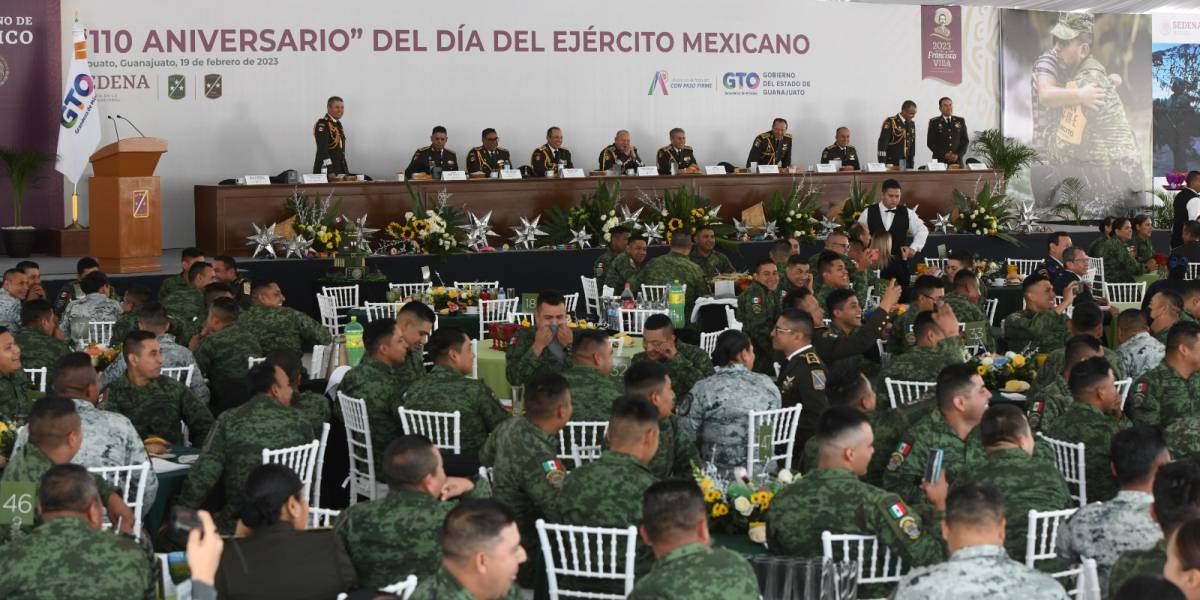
point(1181, 215)
point(899, 228)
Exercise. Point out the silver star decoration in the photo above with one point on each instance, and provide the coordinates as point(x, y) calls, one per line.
point(442, 198)
point(581, 238)
point(527, 232)
point(828, 226)
point(942, 223)
point(478, 230)
point(742, 229)
point(299, 245)
point(770, 230)
point(715, 211)
point(630, 217)
point(653, 233)
point(363, 233)
point(653, 202)
point(264, 238)
point(1026, 218)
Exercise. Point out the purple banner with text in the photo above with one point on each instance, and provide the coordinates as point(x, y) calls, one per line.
point(941, 43)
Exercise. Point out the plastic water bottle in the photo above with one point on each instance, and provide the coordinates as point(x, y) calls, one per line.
point(676, 304)
point(354, 341)
point(627, 301)
point(614, 314)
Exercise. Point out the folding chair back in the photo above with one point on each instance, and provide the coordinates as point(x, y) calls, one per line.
point(902, 392)
point(477, 286)
point(254, 360)
point(131, 481)
point(1025, 266)
point(731, 321)
point(877, 564)
point(1069, 459)
point(100, 332)
point(410, 290)
point(653, 293)
point(495, 311)
point(344, 297)
point(1042, 537)
point(381, 310)
point(708, 340)
point(591, 295)
point(633, 320)
point(302, 460)
point(772, 436)
point(402, 589)
point(572, 301)
point(358, 443)
point(992, 305)
point(329, 316)
point(322, 518)
point(580, 439)
point(1123, 387)
point(440, 427)
point(600, 553)
point(37, 378)
point(1125, 293)
point(181, 374)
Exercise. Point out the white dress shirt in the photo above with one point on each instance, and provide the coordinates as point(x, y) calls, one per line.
point(1193, 207)
point(916, 227)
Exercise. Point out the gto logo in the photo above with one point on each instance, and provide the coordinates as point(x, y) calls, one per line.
point(741, 81)
point(80, 92)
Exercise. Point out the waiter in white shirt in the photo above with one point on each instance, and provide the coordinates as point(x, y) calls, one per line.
point(890, 216)
point(1186, 202)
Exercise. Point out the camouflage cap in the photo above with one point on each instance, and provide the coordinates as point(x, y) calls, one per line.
point(1070, 25)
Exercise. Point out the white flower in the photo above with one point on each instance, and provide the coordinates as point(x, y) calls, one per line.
point(740, 473)
point(987, 361)
point(785, 476)
point(612, 213)
point(408, 216)
point(758, 534)
point(607, 236)
point(743, 505)
point(1010, 354)
point(664, 212)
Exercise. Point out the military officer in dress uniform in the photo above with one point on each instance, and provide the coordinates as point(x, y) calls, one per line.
point(947, 136)
point(677, 153)
point(898, 136)
point(772, 147)
point(803, 376)
point(548, 156)
point(621, 152)
point(331, 139)
point(841, 150)
point(490, 156)
point(433, 156)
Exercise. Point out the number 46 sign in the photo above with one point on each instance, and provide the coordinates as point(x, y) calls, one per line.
point(17, 501)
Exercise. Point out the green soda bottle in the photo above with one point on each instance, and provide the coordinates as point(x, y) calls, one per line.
point(354, 341)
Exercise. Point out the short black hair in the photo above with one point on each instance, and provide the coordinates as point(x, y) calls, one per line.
point(1054, 238)
point(836, 421)
point(407, 460)
point(227, 260)
point(645, 377)
point(588, 342)
point(1149, 586)
point(196, 269)
point(544, 394)
point(191, 252)
point(631, 415)
point(908, 104)
point(675, 130)
point(926, 284)
point(84, 264)
point(67, 488)
point(1119, 222)
point(953, 380)
point(758, 264)
point(261, 378)
point(672, 507)
point(331, 100)
point(444, 340)
point(417, 311)
point(800, 319)
point(287, 361)
point(1088, 374)
point(1031, 281)
point(792, 260)
point(974, 504)
point(33, 310)
point(483, 135)
point(217, 289)
point(778, 120)
point(837, 299)
point(730, 343)
point(659, 321)
point(551, 129)
point(473, 526)
point(1171, 297)
point(153, 315)
point(1180, 334)
point(438, 129)
point(51, 419)
point(1079, 348)
point(637, 237)
point(963, 277)
point(138, 294)
point(1106, 224)
point(890, 184)
point(1192, 227)
point(225, 309)
point(845, 385)
point(1134, 451)
point(1002, 423)
point(826, 260)
point(268, 488)
point(132, 345)
point(377, 333)
point(72, 373)
point(92, 282)
point(551, 297)
point(924, 324)
point(1087, 316)
point(1176, 492)
point(26, 265)
point(1132, 318)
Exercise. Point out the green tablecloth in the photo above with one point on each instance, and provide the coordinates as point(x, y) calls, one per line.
point(169, 486)
point(468, 323)
point(738, 543)
point(492, 363)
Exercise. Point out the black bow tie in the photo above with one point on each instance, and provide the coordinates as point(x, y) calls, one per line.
point(891, 210)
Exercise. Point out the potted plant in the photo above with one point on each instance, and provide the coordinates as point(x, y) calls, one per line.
point(1003, 153)
point(22, 166)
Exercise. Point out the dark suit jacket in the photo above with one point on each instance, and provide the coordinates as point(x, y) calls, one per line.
point(1191, 251)
point(1180, 209)
point(279, 562)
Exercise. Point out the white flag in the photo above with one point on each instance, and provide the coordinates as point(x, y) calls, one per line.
point(79, 117)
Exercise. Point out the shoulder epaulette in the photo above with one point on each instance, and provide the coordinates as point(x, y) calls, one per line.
point(423, 148)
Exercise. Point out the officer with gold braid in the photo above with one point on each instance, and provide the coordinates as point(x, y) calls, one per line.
point(488, 157)
point(548, 156)
point(898, 137)
point(621, 152)
point(677, 153)
point(772, 147)
point(331, 139)
point(435, 155)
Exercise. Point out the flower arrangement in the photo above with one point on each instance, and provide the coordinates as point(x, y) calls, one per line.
point(857, 202)
point(1009, 372)
point(8, 437)
point(741, 507)
point(985, 213)
point(686, 211)
point(450, 301)
point(316, 219)
point(797, 215)
point(101, 356)
point(596, 213)
point(425, 230)
point(988, 269)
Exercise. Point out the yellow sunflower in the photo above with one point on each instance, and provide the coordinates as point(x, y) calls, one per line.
point(421, 226)
point(711, 496)
point(675, 224)
point(720, 509)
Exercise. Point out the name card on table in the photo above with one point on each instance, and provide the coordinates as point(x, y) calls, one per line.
point(976, 166)
point(510, 174)
point(714, 170)
point(827, 168)
point(768, 169)
point(17, 500)
point(936, 166)
point(876, 167)
point(650, 171)
point(454, 175)
point(573, 174)
point(314, 178)
point(400, 176)
point(258, 180)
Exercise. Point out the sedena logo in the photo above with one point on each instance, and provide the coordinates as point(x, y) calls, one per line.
point(660, 81)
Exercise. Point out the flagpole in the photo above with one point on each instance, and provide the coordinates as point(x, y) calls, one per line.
point(75, 226)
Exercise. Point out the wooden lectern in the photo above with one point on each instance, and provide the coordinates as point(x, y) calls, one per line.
point(125, 200)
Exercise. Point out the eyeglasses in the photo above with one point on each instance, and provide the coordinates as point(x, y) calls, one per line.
point(783, 330)
point(935, 298)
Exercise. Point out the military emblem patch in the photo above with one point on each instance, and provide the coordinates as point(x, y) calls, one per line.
point(555, 473)
point(787, 383)
point(818, 379)
point(897, 458)
point(910, 528)
point(1139, 395)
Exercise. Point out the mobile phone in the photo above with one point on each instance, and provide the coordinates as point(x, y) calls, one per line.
point(933, 467)
point(183, 520)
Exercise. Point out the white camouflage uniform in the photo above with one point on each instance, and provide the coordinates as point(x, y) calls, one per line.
point(10, 310)
point(91, 308)
point(1140, 353)
point(983, 571)
point(716, 412)
point(1103, 530)
point(173, 356)
point(109, 440)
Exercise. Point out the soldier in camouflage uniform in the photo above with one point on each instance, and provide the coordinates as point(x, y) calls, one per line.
point(448, 389)
point(1026, 483)
point(961, 402)
point(848, 343)
point(188, 257)
point(1041, 326)
point(69, 555)
point(188, 306)
point(12, 294)
point(625, 267)
point(477, 532)
point(1175, 503)
point(155, 404)
point(845, 321)
point(153, 318)
point(416, 325)
point(109, 439)
point(686, 363)
point(1093, 419)
point(95, 306)
point(1139, 351)
point(235, 446)
point(618, 239)
point(965, 298)
point(837, 242)
point(593, 388)
point(1119, 264)
point(279, 327)
point(15, 392)
point(135, 298)
point(928, 293)
point(607, 492)
point(676, 449)
point(711, 261)
point(716, 411)
point(395, 536)
point(675, 266)
point(1050, 401)
point(314, 407)
point(376, 382)
point(524, 453)
point(981, 570)
point(797, 274)
point(1171, 389)
point(1164, 310)
point(757, 308)
point(1087, 319)
point(1104, 530)
point(832, 498)
point(832, 275)
point(224, 351)
point(543, 348)
point(938, 346)
point(40, 339)
point(70, 290)
point(687, 566)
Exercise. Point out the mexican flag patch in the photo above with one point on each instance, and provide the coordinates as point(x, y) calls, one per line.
point(897, 510)
point(552, 465)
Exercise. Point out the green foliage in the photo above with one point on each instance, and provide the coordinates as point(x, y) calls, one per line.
point(1068, 199)
point(1003, 153)
point(22, 167)
point(857, 202)
point(687, 210)
point(597, 212)
point(986, 213)
point(1164, 214)
point(798, 214)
